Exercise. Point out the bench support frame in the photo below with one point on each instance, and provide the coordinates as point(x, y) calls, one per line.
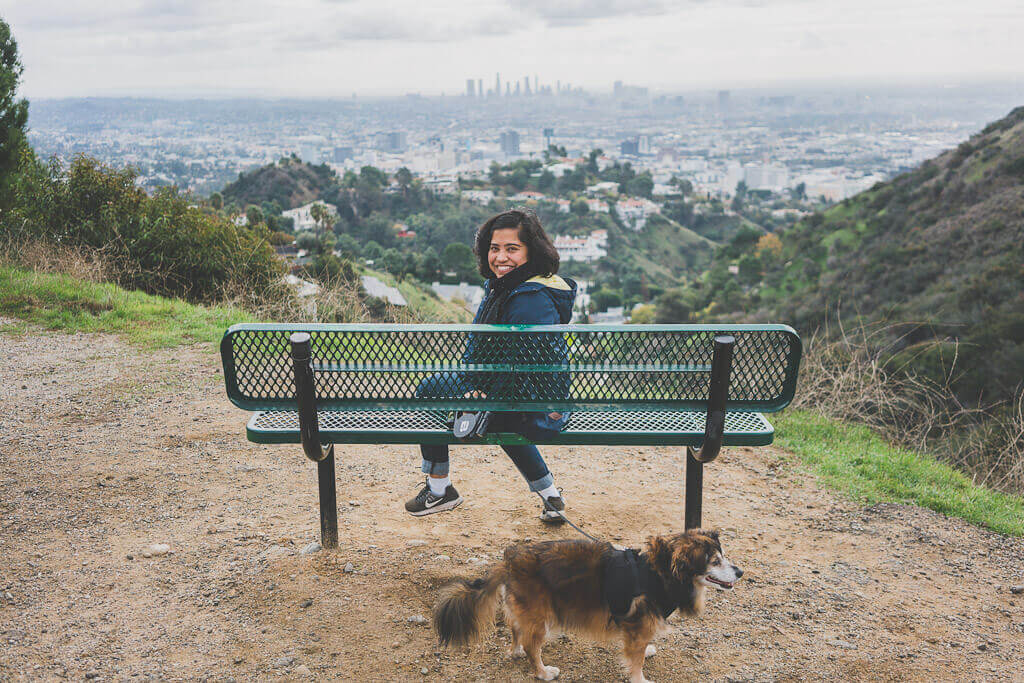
point(714, 428)
point(305, 396)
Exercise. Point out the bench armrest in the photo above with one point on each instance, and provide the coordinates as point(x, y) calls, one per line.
point(305, 397)
point(721, 366)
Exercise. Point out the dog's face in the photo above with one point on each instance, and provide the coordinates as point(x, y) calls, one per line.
point(694, 556)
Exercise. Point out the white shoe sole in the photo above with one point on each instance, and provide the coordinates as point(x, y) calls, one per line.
point(549, 517)
point(438, 508)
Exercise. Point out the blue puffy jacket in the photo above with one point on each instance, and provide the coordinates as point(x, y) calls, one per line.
point(541, 300)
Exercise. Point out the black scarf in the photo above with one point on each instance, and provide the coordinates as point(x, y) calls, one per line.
point(501, 289)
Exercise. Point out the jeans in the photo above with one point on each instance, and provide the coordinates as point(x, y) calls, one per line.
point(525, 457)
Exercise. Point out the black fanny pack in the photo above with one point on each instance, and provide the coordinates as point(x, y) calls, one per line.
point(469, 426)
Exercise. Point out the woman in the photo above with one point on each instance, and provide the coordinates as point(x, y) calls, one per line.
point(520, 263)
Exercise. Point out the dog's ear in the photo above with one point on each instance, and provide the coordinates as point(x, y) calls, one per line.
point(659, 549)
point(689, 557)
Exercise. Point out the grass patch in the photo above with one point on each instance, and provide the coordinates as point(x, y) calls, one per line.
point(60, 302)
point(858, 462)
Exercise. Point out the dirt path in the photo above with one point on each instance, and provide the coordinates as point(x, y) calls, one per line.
point(105, 449)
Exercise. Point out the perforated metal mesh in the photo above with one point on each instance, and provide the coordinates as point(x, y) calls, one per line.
point(622, 368)
point(393, 426)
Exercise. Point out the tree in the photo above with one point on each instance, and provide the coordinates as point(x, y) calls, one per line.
point(458, 257)
point(404, 178)
point(800, 191)
point(580, 207)
point(685, 186)
point(749, 269)
point(322, 216)
point(674, 306)
point(641, 186)
point(605, 298)
point(741, 195)
point(428, 265)
point(592, 160)
point(519, 178)
point(13, 114)
point(253, 216)
point(307, 241)
point(495, 174)
point(217, 201)
point(643, 315)
point(769, 246)
point(546, 180)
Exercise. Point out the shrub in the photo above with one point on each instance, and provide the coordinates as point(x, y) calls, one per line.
point(159, 244)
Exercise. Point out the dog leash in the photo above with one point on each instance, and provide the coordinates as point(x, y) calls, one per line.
point(561, 514)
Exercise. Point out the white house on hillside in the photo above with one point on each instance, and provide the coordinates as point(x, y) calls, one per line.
point(302, 217)
point(586, 249)
point(634, 212)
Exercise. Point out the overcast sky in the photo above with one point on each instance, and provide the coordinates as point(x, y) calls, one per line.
point(337, 47)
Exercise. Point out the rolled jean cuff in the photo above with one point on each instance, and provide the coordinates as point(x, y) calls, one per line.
point(431, 467)
point(542, 483)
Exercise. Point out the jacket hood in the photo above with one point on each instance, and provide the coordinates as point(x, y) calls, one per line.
point(561, 291)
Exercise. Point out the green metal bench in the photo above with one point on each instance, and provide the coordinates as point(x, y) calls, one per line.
point(696, 386)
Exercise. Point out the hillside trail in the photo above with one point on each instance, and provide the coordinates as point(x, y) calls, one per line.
point(106, 449)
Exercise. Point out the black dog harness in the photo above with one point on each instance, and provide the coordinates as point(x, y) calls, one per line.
point(628, 576)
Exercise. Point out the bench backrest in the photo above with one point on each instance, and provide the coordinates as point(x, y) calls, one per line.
point(521, 367)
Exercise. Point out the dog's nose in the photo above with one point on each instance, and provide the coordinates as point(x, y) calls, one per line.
point(739, 572)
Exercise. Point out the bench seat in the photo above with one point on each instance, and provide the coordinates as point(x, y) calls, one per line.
point(648, 428)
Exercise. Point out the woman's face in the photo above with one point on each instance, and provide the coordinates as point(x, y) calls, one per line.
point(507, 251)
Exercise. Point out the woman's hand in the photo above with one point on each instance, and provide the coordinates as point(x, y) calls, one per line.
point(475, 394)
point(555, 416)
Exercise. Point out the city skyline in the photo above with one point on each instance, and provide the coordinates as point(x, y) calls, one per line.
point(188, 48)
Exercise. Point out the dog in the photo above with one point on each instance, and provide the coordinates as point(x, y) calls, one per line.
point(588, 588)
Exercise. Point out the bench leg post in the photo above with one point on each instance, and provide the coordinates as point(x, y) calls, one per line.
point(328, 501)
point(694, 489)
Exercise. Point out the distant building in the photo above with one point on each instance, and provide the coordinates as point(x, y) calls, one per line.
point(723, 99)
point(528, 196)
point(478, 196)
point(441, 185)
point(342, 154)
point(394, 142)
point(560, 169)
point(606, 187)
point(597, 205)
point(470, 87)
point(662, 190)
point(510, 142)
point(586, 249)
point(615, 315)
point(629, 148)
point(634, 212)
point(302, 217)
point(772, 177)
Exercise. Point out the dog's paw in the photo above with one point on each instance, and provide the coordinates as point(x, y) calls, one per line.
point(549, 673)
point(641, 679)
point(516, 652)
point(650, 651)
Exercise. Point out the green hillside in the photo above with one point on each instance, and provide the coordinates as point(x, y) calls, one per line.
point(938, 253)
point(289, 183)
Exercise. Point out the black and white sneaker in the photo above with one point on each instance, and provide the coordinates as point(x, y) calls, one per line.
point(426, 503)
point(549, 514)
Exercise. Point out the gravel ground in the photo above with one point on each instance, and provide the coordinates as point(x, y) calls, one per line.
point(107, 452)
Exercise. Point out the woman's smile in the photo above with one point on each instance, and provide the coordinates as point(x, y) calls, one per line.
point(507, 251)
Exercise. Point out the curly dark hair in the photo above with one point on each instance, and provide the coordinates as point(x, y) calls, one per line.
point(541, 252)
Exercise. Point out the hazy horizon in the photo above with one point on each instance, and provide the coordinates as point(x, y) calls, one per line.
point(332, 48)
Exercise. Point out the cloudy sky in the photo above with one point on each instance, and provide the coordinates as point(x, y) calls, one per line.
point(337, 47)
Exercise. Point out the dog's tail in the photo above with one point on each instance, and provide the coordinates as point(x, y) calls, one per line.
point(466, 607)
